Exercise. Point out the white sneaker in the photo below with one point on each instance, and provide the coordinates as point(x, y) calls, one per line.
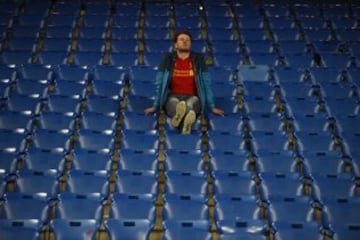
point(188, 122)
point(180, 112)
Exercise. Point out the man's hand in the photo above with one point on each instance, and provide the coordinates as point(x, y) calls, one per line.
point(149, 111)
point(218, 111)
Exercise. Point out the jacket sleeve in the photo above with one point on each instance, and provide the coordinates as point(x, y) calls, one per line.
point(159, 81)
point(210, 104)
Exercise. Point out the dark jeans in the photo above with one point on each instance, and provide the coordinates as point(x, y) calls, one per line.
point(192, 103)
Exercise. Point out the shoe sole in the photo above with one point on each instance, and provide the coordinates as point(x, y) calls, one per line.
point(188, 122)
point(180, 112)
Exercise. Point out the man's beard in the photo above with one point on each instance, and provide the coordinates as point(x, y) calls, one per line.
point(183, 50)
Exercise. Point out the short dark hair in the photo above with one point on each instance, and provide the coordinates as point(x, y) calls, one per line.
point(186, 32)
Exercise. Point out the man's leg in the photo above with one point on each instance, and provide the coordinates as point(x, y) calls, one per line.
point(192, 110)
point(175, 109)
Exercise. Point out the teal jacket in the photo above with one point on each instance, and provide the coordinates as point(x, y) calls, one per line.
point(202, 80)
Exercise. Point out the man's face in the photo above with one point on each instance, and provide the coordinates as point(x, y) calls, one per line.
point(183, 43)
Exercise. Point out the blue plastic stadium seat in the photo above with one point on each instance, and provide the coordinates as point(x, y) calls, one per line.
point(286, 34)
point(84, 206)
point(20, 229)
point(23, 103)
point(175, 161)
point(270, 122)
point(52, 57)
point(268, 59)
point(25, 206)
point(129, 228)
point(256, 47)
point(225, 46)
point(220, 34)
point(107, 89)
point(230, 207)
point(58, 32)
point(301, 61)
point(15, 57)
point(175, 141)
point(241, 229)
point(133, 206)
point(345, 231)
point(285, 161)
point(71, 89)
point(12, 141)
point(55, 121)
point(71, 73)
point(21, 44)
point(103, 104)
point(155, 21)
point(290, 209)
point(281, 184)
point(51, 140)
point(7, 165)
point(333, 185)
point(139, 140)
point(33, 181)
point(88, 160)
point(297, 90)
point(31, 88)
point(185, 183)
point(136, 182)
point(42, 160)
point(124, 46)
point(231, 123)
point(297, 231)
point(95, 141)
point(315, 141)
point(228, 60)
point(304, 106)
point(311, 123)
point(144, 89)
point(341, 211)
point(124, 32)
point(337, 90)
point(109, 73)
point(185, 207)
point(57, 44)
point(342, 106)
point(88, 58)
point(178, 229)
point(143, 74)
point(61, 20)
point(159, 33)
point(325, 162)
point(125, 21)
point(152, 59)
point(90, 45)
point(229, 161)
point(138, 160)
point(93, 19)
point(139, 121)
point(268, 140)
point(124, 60)
point(348, 124)
point(95, 8)
point(157, 45)
point(225, 141)
point(89, 32)
point(82, 182)
point(137, 103)
point(34, 20)
point(15, 121)
point(71, 229)
point(98, 122)
point(233, 183)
